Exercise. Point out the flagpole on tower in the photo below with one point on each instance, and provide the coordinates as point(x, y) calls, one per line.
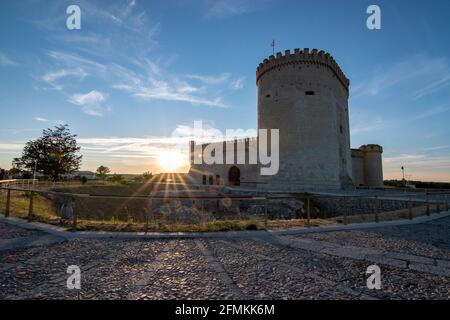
point(273, 46)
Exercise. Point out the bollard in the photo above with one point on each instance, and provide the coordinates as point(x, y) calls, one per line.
point(427, 204)
point(308, 213)
point(438, 206)
point(375, 209)
point(8, 203)
point(30, 207)
point(345, 211)
point(410, 208)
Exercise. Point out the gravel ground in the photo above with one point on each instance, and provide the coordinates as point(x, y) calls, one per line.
point(266, 267)
point(11, 232)
point(431, 239)
point(351, 273)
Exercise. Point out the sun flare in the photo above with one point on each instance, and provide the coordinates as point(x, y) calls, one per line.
point(171, 160)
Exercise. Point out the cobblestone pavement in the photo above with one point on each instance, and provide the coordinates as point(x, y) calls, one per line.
point(414, 262)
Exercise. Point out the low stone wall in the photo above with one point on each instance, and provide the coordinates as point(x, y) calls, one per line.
point(327, 207)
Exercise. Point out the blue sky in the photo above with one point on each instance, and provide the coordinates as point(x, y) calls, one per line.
point(139, 70)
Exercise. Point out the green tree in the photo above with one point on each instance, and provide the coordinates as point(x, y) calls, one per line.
point(102, 172)
point(54, 154)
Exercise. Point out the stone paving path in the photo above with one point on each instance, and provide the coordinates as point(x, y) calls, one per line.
point(414, 262)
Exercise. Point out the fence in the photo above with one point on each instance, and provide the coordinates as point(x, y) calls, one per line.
point(193, 212)
point(135, 212)
point(407, 206)
point(21, 183)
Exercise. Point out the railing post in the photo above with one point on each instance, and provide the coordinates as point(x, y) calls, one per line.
point(265, 212)
point(446, 202)
point(308, 211)
point(147, 216)
point(74, 219)
point(8, 203)
point(203, 212)
point(427, 199)
point(345, 210)
point(438, 205)
point(410, 215)
point(375, 209)
point(30, 207)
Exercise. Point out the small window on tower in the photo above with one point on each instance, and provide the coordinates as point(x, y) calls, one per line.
point(267, 95)
point(342, 130)
point(309, 93)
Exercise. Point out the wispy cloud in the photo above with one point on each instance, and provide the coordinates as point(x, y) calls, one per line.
point(441, 83)
point(90, 102)
point(6, 61)
point(139, 75)
point(226, 8)
point(11, 146)
point(429, 112)
point(52, 78)
point(75, 61)
point(41, 119)
point(409, 75)
point(362, 121)
point(222, 79)
point(436, 148)
point(417, 161)
point(154, 86)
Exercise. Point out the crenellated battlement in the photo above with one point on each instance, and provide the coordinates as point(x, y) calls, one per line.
point(305, 57)
point(231, 141)
point(371, 148)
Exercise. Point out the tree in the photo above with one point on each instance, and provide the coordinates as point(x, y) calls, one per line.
point(117, 178)
point(3, 174)
point(147, 175)
point(53, 154)
point(102, 172)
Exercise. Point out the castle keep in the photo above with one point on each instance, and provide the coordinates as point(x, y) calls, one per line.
point(304, 94)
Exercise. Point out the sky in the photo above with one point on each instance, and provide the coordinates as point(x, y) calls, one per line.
point(138, 74)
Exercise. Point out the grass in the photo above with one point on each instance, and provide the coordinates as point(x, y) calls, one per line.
point(43, 209)
point(298, 223)
point(211, 226)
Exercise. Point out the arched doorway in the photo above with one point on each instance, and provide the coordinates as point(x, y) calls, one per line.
point(234, 176)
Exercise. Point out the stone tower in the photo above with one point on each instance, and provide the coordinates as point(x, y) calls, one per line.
point(373, 167)
point(304, 94)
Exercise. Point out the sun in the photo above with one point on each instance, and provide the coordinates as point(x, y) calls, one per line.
point(171, 160)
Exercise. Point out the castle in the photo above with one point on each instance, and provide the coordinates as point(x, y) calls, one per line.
point(305, 95)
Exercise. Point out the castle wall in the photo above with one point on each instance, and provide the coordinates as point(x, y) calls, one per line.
point(240, 157)
point(305, 96)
